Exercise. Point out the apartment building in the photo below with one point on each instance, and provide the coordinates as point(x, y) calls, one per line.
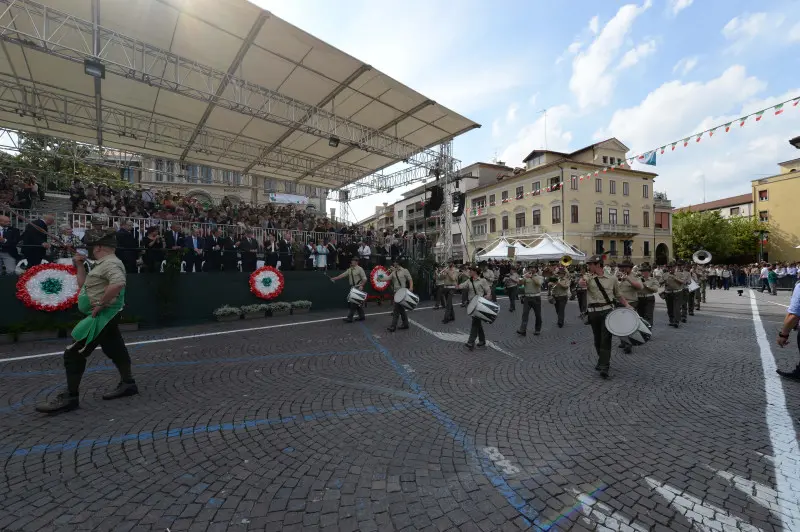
point(741, 205)
point(615, 211)
point(775, 203)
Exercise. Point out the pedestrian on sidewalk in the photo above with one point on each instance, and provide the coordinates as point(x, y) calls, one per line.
point(790, 324)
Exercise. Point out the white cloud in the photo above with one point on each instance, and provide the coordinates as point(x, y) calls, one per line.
point(742, 30)
point(594, 25)
point(634, 55)
point(685, 65)
point(591, 81)
point(496, 130)
point(511, 114)
point(794, 33)
point(679, 5)
point(728, 161)
point(532, 136)
point(533, 99)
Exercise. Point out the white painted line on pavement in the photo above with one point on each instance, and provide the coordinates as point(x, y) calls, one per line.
point(461, 338)
point(782, 434)
point(502, 463)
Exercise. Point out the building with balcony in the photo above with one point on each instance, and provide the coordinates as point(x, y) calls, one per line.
point(212, 185)
point(775, 203)
point(741, 205)
point(615, 211)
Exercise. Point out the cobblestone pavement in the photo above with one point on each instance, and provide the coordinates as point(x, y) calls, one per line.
point(332, 426)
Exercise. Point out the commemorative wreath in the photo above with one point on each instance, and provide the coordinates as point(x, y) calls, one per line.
point(48, 287)
point(379, 278)
point(266, 282)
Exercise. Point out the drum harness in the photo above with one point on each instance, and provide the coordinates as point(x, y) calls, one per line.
point(598, 307)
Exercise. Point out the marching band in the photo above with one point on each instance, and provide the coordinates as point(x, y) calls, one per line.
point(612, 301)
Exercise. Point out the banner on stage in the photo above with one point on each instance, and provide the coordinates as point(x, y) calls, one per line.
point(287, 198)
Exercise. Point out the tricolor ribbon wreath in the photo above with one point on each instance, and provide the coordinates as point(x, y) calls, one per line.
point(48, 287)
point(266, 282)
point(379, 278)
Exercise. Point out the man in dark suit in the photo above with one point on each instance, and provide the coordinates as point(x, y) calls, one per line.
point(213, 251)
point(230, 255)
point(127, 246)
point(193, 255)
point(270, 252)
point(9, 240)
point(34, 240)
point(174, 237)
point(248, 246)
point(285, 254)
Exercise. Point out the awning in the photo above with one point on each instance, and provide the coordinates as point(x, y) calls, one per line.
point(550, 248)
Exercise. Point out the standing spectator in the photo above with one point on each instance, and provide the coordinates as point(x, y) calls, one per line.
point(322, 255)
point(772, 279)
point(153, 250)
point(726, 277)
point(764, 277)
point(213, 251)
point(127, 246)
point(9, 239)
point(364, 254)
point(174, 238)
point(194, 244)
point(34, 240)
point(248, 246)
point(285, 253)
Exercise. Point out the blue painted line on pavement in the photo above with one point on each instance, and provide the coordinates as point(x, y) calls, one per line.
point(202, 429)
point(44, 392)
point(527, 512)
point(179, 363)
point(571, 510)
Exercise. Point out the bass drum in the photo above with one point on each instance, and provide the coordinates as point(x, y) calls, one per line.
point(627, 324)
point(406, 299)
point(483, 309)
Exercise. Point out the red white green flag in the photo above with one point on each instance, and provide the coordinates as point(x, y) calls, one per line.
point(759, 115)
point(778, 109)
point(728, 127)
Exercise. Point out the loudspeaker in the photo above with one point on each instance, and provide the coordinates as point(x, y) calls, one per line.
point(437, 198)
point(460, 201)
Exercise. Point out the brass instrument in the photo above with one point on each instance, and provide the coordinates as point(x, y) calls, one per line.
point(701, 257)
point(566, 260)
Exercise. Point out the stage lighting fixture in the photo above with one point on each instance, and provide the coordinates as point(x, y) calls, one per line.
point(96, 69)
point(333, 142)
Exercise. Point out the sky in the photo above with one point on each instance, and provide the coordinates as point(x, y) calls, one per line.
point(649, 73)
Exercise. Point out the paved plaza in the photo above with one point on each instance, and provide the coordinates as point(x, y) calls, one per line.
point(332, 426)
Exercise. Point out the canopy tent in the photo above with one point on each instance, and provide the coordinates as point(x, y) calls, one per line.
point(550, 248)
point(500, 250)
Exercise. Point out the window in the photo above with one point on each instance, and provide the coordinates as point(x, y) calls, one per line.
point(504, 196)
point(192, 173)
point(626, 217)
point(625, 189)
point(763, 216)
point(598, 247)
point(734, 211)
point(269, 185)
point(127, 174)
point(645, 219)
point(289, 187)
point(605, 159)
point(479, 228)
point(400, 214)
point(613, 246)
point(573, 213)
point(662, 220)
point(612, 186)
point(519, 220)
point(492, 225)
point(505, 223)
point(159, 169)
point(598, 215)
point(553, 181)
point(645, 191)
point(646, 248)
point(619, 161)
point(557, 214)
point(598, 185)
point(205, 174)
point(477, 203)
point(627, 247)
point(520, 192)
point(573, 182)
point(763, 195)
point(491, 200)
point(536, 187)
point(537, 217)
point(457, 239)
point(612, 216)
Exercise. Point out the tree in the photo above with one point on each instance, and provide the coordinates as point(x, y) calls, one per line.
point(728, 240)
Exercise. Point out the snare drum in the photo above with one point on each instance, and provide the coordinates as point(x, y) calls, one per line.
point(483, 309)
point(406, 299)
point(628, 325)
point(356, 296)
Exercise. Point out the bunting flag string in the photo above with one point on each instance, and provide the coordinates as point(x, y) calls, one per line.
point(649, 157)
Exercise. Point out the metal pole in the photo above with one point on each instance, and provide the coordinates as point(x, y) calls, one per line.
point(446, 150)
point(98, 98)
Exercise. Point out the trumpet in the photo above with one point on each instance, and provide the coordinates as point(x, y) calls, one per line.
point(566, 260)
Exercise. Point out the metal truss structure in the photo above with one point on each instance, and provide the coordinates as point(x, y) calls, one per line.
point(63, 35)
point(449, 174)
point(72, 109)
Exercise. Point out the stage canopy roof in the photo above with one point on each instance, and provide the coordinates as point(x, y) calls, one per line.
point(550, 248)
point(500, 250)
point(215, 82)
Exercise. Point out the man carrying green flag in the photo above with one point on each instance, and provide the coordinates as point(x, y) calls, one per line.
point(101, 298)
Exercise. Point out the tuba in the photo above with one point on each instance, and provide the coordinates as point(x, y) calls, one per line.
point(566, 260)
point(701, 257)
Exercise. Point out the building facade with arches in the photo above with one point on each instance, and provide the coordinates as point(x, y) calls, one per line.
point(615, 212)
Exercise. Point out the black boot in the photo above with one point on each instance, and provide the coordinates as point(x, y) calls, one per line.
point(123, 389)
point(793, 375)
point(63, 402)
point(391, 329)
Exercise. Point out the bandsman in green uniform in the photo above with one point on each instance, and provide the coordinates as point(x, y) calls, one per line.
point(629, 286)
point(101, 299)
point(560, 293)
point(450, 283)
point(531, 299)
point(511, 282)
point(476, 286)
point(673, 290)
point(488, 274)
point(355, 274)
point(463, 275)
point(401, 278)
point(647, 295)
point(602, 292)
point(683, 274)
point(702, 280)
point(581, 292)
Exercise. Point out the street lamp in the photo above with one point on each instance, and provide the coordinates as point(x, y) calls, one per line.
point(760, 234)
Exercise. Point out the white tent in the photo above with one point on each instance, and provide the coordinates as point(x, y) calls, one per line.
point(500, 250)
point(550, 248)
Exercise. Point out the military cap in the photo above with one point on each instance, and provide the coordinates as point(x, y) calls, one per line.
point(626, 263)
point(595, 259)
point(101, 238)
point(645, 267)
